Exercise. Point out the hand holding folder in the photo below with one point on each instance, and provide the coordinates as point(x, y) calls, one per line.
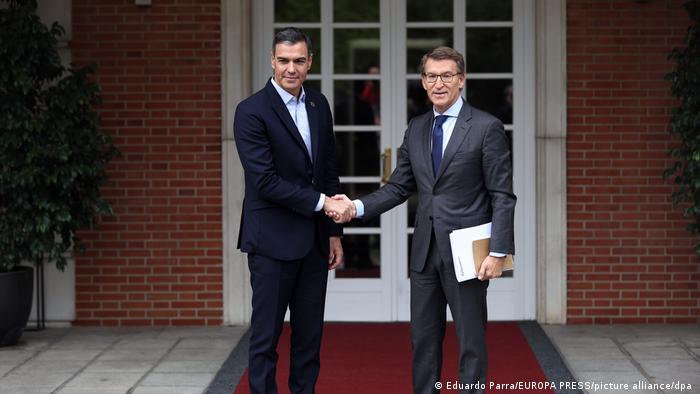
point(470, 246)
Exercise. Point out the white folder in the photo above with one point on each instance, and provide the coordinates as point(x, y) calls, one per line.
point(470, 246)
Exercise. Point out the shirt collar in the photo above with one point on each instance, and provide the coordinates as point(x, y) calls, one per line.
point(285, 95)
point(453, 111)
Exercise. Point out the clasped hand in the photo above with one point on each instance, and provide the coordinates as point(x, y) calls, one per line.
point(339, 208)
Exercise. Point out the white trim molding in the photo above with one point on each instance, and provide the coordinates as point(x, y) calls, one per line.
point(551, 161)
point(236, 76)
point(59, 287)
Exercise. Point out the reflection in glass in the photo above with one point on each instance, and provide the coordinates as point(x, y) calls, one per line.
point(314, 84)
point(489, 10)
point(361, 256)
point(356, 10)
point(494, 96)
point(429, 11)
point(357, 190)
point(315, 36)
point(355, 50)
point(358, 153)
point(297, 11)
point(356, 102)
point(420, 41)
point(417, 101)
point(489, 50)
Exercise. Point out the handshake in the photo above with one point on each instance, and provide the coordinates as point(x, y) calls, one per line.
point(339, 208)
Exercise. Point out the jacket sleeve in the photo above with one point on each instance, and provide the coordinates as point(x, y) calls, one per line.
point(255, 152)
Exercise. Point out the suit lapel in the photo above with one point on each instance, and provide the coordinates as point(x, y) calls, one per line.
point(462, 127)
point(312, 113)
point(283, 113)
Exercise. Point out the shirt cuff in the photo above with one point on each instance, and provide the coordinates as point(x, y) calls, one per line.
point(321, 200)
point(496, 254)
point(359, 208)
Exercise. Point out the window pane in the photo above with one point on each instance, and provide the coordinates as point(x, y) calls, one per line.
point(424, 11)
point(358, 153)
point(314, 84)
point(357, 190)
point(315, 36)
point(489, 50)
point(356, 50)
point(494, 96)
point(420, 41)
point(297, 11)
point(489, 10)
point(356, 10)
point(417, 101)
point(356, 102)
point(361, 256)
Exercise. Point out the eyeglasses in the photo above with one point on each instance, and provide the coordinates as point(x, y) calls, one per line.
point(446, 77)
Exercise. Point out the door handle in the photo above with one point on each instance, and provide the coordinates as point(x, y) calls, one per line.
point(386, 165)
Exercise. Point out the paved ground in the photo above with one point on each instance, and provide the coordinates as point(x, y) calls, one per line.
point(185, 360)
point(650, 356)
point(116, 360)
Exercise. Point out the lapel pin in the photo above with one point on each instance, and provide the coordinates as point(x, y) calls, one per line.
point(312, 103)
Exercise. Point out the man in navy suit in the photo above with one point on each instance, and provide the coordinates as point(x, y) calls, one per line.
point(284, 137)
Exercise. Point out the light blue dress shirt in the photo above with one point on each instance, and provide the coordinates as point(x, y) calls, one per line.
point(297, 110)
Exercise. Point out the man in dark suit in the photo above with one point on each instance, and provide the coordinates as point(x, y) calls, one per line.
point(458, 160)
point(284, 137)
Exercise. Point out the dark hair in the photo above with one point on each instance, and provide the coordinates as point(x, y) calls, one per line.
point(444, 53)
point(292, 35)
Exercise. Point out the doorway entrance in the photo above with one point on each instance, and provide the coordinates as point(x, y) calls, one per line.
point(366, 63)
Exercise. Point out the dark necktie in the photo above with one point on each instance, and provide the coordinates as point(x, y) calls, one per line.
point(437, 142)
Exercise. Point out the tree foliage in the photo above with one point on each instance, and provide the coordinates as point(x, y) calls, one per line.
point(685, 122)
point(53, 154)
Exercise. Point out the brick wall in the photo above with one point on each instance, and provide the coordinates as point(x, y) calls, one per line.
point(158, 260)
point(630, 258)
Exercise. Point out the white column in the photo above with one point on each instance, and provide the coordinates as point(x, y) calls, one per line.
point(551, 161)
point(59, 287)
point(235, 81)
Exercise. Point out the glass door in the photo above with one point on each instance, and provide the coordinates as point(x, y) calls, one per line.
point(484, 31)
point(350, 66)
point(366, 61)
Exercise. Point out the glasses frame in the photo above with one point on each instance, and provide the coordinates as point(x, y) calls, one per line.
point(434, 77)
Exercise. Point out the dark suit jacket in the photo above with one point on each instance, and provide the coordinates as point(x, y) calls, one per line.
point(473, 185)
point(282, 184)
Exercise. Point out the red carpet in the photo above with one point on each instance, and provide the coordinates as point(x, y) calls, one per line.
point(376, 358)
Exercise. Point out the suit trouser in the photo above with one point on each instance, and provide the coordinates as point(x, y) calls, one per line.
point(301, 285)
point(431, 290)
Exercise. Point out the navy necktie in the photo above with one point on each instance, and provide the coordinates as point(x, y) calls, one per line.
point(437, 142)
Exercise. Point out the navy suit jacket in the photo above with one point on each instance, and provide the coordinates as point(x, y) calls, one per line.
point(282, 183)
